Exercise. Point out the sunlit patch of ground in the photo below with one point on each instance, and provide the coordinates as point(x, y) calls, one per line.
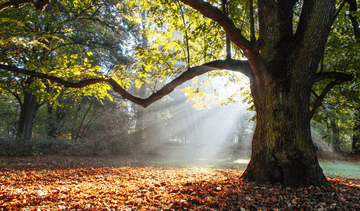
point(245, 161)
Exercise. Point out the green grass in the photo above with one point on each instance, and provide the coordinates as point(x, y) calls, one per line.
point(348, 170)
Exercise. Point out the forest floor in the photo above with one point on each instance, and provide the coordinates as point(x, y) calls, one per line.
point(114, 183)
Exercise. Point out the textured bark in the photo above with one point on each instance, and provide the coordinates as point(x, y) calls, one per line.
point(282, 149)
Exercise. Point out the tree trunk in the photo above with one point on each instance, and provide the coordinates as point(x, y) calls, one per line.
point(355, 146)
point(283, 74)
point(139, 127)
point(336, 135)
point(51, 127)
point(282, 148)
point(29, 108)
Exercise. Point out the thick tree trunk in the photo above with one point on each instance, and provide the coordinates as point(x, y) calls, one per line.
point(29, 108)
point(282, 148)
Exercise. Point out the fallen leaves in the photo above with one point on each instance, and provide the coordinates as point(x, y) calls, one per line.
point(154, 188)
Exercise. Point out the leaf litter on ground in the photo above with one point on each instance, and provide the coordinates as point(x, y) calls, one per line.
point(91, 183)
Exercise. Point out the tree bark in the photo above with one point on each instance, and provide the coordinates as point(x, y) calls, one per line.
point(284, 72)
point(29, 108)
point(282, 148)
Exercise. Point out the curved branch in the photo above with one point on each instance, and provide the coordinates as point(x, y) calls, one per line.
point(227, 24)
point(338, 80)
point(39, 4)
point(233, 65)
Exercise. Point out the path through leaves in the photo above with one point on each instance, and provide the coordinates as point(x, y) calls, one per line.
point(155, 188)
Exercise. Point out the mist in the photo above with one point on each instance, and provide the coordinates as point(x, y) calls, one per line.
point(178, 132)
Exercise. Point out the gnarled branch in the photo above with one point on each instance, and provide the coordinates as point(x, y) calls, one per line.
point(234, 65)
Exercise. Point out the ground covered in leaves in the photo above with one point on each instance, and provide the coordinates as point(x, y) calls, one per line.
point(96, 183)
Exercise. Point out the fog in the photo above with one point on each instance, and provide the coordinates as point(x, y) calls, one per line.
point(176, 130)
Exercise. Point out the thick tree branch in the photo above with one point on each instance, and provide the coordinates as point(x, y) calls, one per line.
point(233, 65)
point(315, 20)
point(339, 78)
point(39, 4)
point(228, 25)
point(228, 44)
point(262, 28)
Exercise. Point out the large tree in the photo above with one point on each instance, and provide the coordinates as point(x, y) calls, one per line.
point(283, 52)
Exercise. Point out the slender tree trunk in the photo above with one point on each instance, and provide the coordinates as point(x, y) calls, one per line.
point(51, 125)
point(336, 135)
point(29, 108)
point(355, 146)
point(139, 127)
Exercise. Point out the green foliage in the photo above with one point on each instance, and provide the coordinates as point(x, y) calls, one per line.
point(342, 54)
